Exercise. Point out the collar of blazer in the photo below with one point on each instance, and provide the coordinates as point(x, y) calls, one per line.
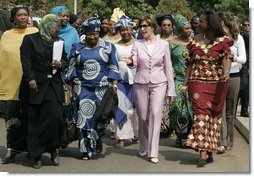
point(144, 45)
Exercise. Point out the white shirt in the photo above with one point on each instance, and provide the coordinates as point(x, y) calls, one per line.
point(126, 73)
point(238, 50)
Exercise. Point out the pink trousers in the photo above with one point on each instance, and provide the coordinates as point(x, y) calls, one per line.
point(149, 104)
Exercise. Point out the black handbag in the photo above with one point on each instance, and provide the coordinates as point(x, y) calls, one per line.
point(106, 111)
point(70, 130)
point(183, 121)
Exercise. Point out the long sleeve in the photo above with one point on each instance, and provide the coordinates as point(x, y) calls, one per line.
point(238, 50)
point(169, 72)
point(113, 65)
point(26, 60)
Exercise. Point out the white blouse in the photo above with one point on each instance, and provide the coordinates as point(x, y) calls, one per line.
point(126, 73)
point(238, 49)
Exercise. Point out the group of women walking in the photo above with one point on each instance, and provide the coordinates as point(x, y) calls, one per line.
point(145, 75)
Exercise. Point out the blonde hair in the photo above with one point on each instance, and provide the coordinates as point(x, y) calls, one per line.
point(232, 23)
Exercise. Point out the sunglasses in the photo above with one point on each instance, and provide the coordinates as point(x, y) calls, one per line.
point(246, 24)
point(144, 26)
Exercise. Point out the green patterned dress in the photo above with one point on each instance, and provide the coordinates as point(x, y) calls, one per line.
point(179, 54)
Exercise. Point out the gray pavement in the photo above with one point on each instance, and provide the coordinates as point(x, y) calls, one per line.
point(112, 160)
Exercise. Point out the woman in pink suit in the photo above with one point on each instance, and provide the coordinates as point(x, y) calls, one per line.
point(153, 80)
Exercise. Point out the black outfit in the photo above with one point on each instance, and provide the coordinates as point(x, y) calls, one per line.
point(15, 125)
point(43, 109)
point(137, 34)
point(244, 75)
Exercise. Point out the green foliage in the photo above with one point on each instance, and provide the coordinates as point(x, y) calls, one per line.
point(239, 8)
point(131, 8)
point(175, 6)
point(5, 23)
point(86, 8)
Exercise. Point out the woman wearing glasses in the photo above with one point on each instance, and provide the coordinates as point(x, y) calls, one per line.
point(152, 82)
point(166, 24)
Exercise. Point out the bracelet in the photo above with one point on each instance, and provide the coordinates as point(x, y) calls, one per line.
point(115, 86)
point(184, 87)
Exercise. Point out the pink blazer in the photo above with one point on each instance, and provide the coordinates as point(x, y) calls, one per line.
point(155, 68)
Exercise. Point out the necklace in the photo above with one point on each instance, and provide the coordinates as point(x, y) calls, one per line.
point(207, 41)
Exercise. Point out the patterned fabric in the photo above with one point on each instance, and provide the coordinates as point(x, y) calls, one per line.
point(179, 21)
point(207, 109)
point(179, 55)
point(90, 70)
point(125, 102)
point(207, 60)
point(92, 24)
point(124, 21)
point(207, 92)
point(126, 116)
point(47, 27)
point(117, 14)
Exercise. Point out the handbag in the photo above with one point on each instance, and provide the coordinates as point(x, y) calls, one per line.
point(70, 131)
point(67, 95)
point(183, 121)
point(106, 111)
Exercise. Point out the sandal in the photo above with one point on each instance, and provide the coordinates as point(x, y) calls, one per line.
point(222, 149)
point(202, 161)
point(120, 144)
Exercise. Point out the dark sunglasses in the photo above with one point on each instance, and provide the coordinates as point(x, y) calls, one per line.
point(246, 24)
point(144, 26)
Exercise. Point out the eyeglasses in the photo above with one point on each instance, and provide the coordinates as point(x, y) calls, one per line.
point(246, 24)
point(144, 26)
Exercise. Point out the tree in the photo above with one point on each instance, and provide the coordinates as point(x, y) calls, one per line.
point(175, 6)
point(131, 8)
point(236, 7)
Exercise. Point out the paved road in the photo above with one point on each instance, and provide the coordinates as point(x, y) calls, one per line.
point(112, 160)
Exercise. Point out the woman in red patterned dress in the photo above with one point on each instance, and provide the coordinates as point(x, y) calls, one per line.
point(207, 83)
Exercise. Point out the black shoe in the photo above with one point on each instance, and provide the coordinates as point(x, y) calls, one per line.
point(55, 157)
point(210, 157)
point(85, 156)
point(201, 163)
point(244, 114)
point(9, 159)
point(37, 163)
point(99, 146)
point(28, 155)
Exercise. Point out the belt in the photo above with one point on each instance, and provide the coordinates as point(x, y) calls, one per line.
point(234, 74)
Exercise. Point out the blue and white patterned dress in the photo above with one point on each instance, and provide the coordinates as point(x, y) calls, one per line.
point(91, 70)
